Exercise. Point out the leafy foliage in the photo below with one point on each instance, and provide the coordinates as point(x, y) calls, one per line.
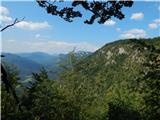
point(100, 10)
point(10, 102)
point(152, 86)
point(119, 111)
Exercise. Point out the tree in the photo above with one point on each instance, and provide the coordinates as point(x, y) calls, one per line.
point(10, 102)
point(5, 77)
point(152, 86)
point(100, 10)
point(118, 110)
point(69, 61)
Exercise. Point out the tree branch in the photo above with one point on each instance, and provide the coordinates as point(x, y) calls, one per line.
point(15, 22)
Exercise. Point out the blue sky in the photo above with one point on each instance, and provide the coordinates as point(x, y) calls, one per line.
point(46, 33)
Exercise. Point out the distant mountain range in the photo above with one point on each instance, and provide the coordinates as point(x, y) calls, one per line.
point(27, 63)
point(42, 58)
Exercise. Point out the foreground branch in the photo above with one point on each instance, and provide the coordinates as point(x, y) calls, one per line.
point(15, 22)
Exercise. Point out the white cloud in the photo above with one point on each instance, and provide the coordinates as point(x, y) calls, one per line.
point(5, 19)
point(29, 25)
point(110, 23)
point(3, 15)
point(56, 46)
point(4, 10)
point(157, 21)
point(134, 33)
point(46, 46)
point(153, 26)
point(137, 16)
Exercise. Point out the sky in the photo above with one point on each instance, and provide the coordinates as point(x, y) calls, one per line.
point(42, 32)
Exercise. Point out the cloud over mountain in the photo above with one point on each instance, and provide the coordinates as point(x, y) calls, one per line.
point(134, 33)
point(51, 46)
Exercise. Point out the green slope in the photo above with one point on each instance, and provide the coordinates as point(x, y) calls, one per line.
point(110, 75)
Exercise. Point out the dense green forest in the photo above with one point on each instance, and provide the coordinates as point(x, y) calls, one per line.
point(120, 81)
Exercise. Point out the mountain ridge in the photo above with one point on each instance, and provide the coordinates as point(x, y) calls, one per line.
point(27, 63)
point(111, 74)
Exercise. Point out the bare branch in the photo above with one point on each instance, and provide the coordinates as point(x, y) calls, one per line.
point(15, 22)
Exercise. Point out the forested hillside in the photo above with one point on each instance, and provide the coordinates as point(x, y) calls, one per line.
point(120, 81)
